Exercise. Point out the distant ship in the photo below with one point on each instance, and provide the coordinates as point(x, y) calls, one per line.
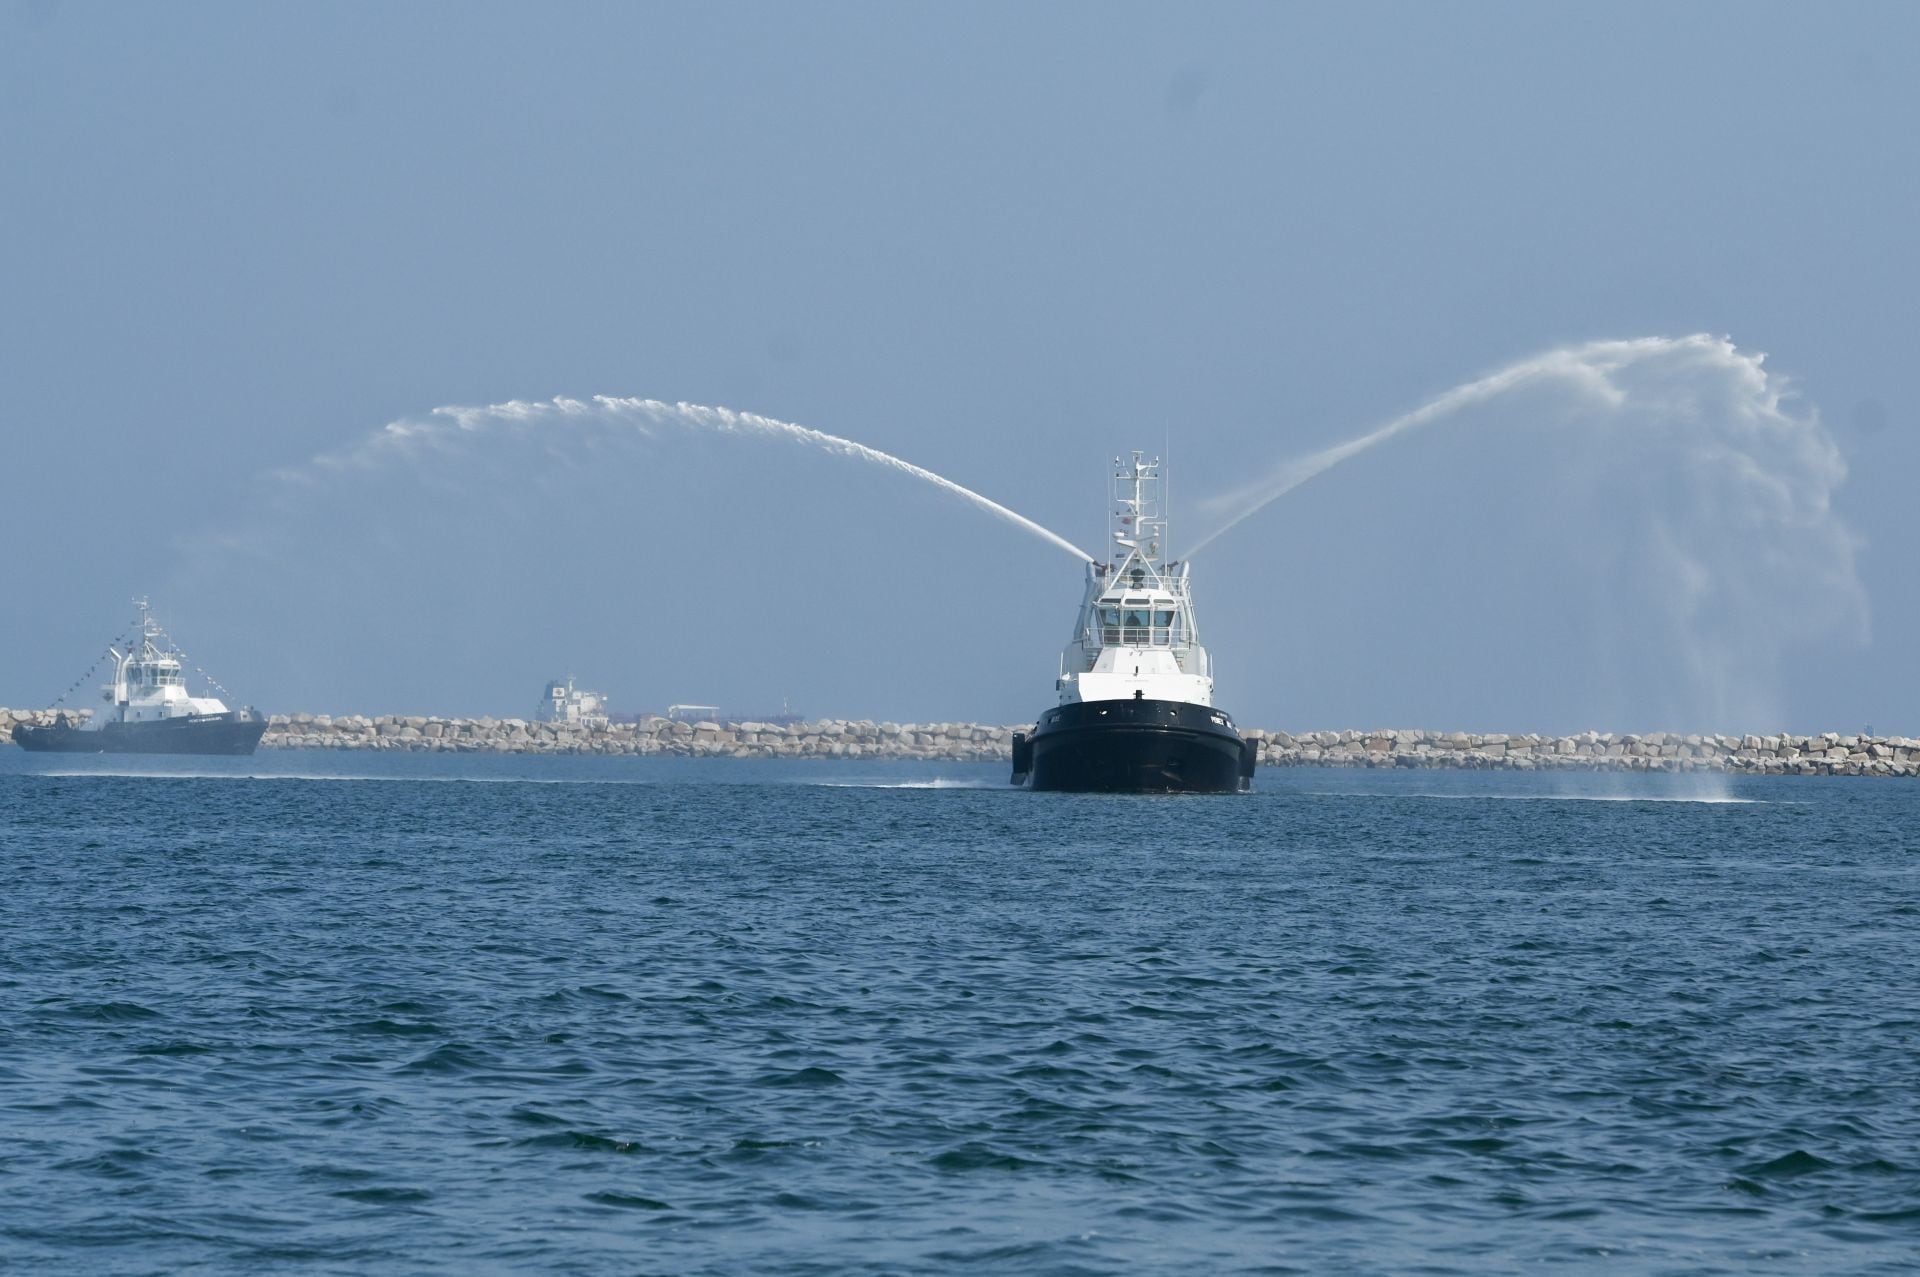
point(1136, 710)
point(149, 711)
point(566, 703)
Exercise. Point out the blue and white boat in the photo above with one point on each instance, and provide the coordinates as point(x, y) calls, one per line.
point(1135, 712)
point(149, 710)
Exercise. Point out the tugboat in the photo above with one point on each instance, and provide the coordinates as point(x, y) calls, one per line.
point(150, 712)
point(1136, 712)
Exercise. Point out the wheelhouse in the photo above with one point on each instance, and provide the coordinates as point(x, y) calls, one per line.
point(1136, 617)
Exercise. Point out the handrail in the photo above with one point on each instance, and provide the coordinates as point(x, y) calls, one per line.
point(1134, 636)
point(1178, 586)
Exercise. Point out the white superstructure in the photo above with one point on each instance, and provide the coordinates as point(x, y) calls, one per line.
point(1136, 637)
point(149, 683)
point(569, 704)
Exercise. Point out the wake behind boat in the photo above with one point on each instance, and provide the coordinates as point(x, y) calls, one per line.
point(1136, 711)
point(149, 710)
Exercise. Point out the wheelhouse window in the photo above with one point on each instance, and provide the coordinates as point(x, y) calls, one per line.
point(1136, 622)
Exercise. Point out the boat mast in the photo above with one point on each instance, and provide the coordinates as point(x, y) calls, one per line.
point(1143, 530)
point(146, 651)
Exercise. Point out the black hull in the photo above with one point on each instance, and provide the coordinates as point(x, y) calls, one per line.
point(238, 732)
point(1134, 747)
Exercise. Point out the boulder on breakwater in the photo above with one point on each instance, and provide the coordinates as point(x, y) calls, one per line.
point(1827, 754)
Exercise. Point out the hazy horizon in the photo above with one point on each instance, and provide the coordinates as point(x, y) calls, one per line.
point(1450, 322)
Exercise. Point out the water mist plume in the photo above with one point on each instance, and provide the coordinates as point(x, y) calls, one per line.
point(446, 426)
point(1721, 549)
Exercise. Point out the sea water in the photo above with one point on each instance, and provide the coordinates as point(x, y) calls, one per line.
point(342, 1012)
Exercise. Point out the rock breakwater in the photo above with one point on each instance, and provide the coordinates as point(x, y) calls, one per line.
point(1827, 754)
point(11, 718)
point(833, 738)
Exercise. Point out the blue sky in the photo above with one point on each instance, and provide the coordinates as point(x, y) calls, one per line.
point(1002, 241)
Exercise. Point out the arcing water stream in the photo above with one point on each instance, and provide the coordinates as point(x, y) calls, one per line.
point(1719, 489)
point(1790, 457)
point(447, 424)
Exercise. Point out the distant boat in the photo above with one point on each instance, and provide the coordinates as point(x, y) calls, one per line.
point(1136, 712)
point(149, 710)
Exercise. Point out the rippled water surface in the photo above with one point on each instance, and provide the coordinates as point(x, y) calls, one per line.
point(341, 1012)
